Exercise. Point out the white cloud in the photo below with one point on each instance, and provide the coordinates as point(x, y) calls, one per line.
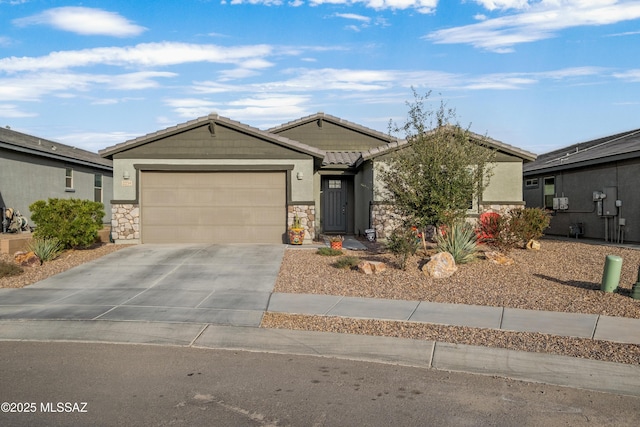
point(12, 111)
point(503, 4)
point(191, 107)
point(33, 86)
point(94, 141)
point(85, 21)
point(630, 76)
point(142, 55)
point(353, 16)
point(422, 6)
point(540, 21)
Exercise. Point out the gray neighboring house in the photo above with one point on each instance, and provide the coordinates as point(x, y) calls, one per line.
point(33, 169)
point(592, 188)
point(214, 180)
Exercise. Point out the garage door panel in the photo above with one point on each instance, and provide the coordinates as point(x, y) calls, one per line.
point(213, 207)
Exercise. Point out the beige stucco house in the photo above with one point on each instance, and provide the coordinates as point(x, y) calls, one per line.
point(214, 179)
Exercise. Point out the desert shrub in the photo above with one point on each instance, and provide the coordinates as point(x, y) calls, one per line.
point(8, 269)
point(403, 244)
point(45, 249)
point(460, 241)
point(529, 223)
point(347, 262)
point(74, 222)
point(329, 252)
point(495, 231)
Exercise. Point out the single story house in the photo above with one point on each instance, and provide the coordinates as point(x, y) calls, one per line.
point(33, 168)
point(214, 179)
point(591, 188)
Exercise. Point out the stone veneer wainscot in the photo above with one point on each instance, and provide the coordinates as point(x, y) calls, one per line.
point(307, 215)
point(125, 222)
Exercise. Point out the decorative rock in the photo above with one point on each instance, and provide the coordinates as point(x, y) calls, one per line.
point(26, 259)
point(440, 266)
point(371, 267)
point(498, 258)
point(533, 245)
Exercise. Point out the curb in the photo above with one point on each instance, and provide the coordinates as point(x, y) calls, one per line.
point(564, 371)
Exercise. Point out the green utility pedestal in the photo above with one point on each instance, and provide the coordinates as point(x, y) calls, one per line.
point(611, 274)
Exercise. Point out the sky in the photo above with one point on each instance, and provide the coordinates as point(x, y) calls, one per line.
point(536, 74)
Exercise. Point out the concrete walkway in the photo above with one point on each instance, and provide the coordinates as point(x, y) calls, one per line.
point(592, 326)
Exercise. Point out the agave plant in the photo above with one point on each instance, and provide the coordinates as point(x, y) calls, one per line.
point(460, 241)
point(45, 249)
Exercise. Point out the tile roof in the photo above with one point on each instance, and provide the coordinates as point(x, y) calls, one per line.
point(348, 158)
point(601, 150)
point(17, 141)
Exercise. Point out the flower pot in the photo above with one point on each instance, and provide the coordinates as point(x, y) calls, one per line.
point(296, 236)
point(336, 245)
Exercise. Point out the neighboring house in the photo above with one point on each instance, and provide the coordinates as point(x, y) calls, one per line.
point(217, 180)
point(33, 169)
point(591, 188)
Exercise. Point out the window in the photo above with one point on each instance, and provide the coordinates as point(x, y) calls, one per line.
point(68, 181)
point(335, 183)
point(531, 183)
point(97, 188)
point(549, 191)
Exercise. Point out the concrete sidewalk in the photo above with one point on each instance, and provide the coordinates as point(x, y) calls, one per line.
point(592, 326)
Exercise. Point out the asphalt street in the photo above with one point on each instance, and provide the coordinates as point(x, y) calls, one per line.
point(62, 384)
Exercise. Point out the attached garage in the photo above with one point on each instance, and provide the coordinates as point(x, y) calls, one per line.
point(211, 180)
point(213, 207)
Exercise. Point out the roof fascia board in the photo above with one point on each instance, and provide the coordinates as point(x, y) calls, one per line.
point(586, 163)
point(53, 156)
point(213, 119)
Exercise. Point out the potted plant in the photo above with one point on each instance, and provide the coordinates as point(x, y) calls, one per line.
point(335, 242)
point(296, 232)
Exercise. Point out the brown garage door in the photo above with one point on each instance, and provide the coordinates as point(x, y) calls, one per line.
point(213, 207)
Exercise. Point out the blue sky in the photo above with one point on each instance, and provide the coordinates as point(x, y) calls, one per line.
point(537, 74)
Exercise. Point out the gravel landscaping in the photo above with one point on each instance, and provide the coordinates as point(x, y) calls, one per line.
point(563, 276)
point(68, 259)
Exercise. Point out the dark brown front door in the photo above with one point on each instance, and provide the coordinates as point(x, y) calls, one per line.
point(334, 212)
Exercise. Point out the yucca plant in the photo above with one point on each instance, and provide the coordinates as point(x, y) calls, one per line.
point(460, 241)
point(45, 249)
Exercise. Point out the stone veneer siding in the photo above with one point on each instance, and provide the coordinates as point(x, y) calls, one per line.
point(307, 215)
point(384, 220)
point(125, 222)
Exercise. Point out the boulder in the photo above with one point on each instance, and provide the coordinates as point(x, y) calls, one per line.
point(440, 266)
point(26, 259)
point(498, 258)
point(533, 245)
point(371, 267)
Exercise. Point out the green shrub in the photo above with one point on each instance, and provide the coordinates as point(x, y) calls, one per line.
point(74, 222)
point(329, 252)
point(529, 223)
point(403, 243)
point(45, 249)
point(460, 241)
point(347, 262)
point(8, 269)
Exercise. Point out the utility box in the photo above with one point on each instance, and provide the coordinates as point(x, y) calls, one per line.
point(560, 203)
point(609, 207)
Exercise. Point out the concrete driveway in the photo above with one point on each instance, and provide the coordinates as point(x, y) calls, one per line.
point(219, 284)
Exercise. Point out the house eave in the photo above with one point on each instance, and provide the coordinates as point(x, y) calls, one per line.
point(54, 156)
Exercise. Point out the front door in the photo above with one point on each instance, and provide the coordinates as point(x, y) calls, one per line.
point(334, 212)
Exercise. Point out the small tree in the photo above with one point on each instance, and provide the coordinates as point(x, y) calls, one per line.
point(434, 180)
point(73, 222)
